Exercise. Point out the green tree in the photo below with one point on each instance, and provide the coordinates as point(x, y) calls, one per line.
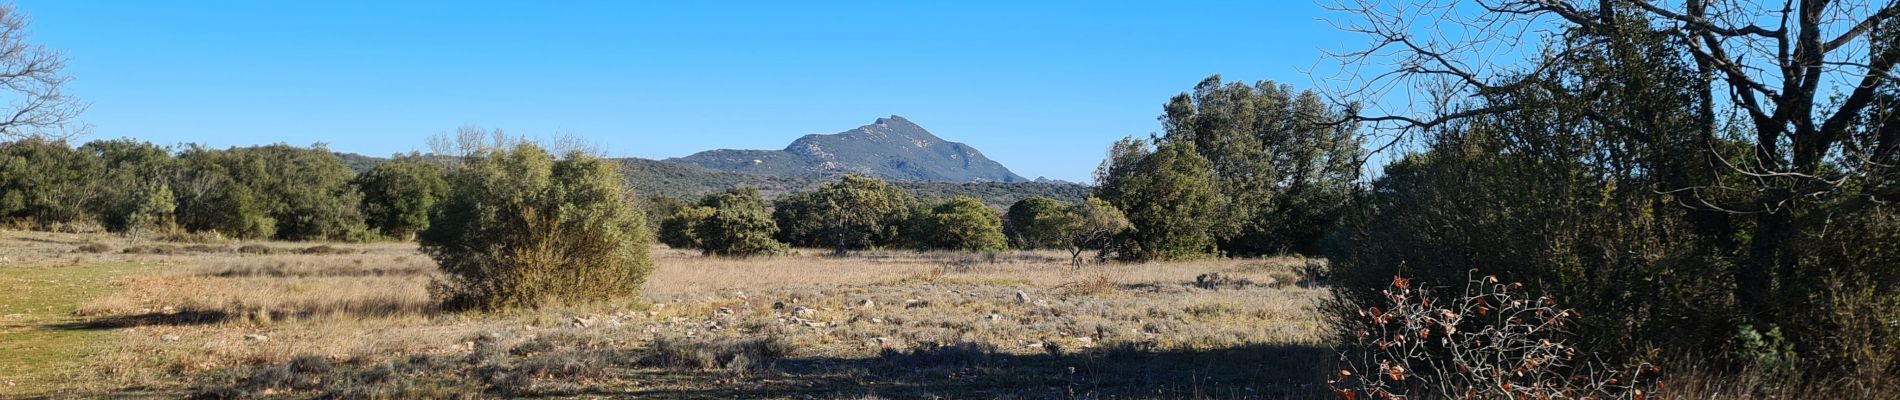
point(1167, 195)
point(275, 191)
point(43, 183)
point(737, 225)
point(1030, 223)
point(679, 230)
point(962, 223)
point(854, 213)
point(523, 229)
point(1092, 225)
point(130, 169)
point(153, 210)
point(211, 200)
point(399, 194)
point(1277, 155)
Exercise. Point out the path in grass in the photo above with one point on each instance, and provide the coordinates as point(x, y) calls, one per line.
point(35, 302)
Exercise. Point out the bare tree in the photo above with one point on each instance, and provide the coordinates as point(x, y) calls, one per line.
point(33, 82)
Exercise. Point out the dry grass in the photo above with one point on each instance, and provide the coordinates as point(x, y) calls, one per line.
point(356, 320)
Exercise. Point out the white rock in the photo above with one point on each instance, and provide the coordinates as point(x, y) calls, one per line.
point(257, 338)
point(1022, 297)
point(169, 338)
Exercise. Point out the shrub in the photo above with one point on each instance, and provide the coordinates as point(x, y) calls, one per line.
point(677, 229)
point(963, 223)
point(522, 229)
point(397, 195)
point(1490, 342)
point(258, 249)
point(737, 226)
point(94, 248)
point(1035, 222)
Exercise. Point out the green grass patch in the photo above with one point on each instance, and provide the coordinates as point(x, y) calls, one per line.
point(37, 351)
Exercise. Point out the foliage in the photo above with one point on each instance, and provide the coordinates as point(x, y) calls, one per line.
point(854, 213)
point(276, 191)
point(735, 224)
point(963, 223)
point(1167, 195)
point(1032, 223)
point(43, 183)
point(1276, 155)
point(522, 229)
point(132, 173)
point(1492, 341)
point(677, 230)
point(1091, 225)
point(1605, 174)
point(398, 195)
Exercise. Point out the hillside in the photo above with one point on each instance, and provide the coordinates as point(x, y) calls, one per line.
point(891, 148)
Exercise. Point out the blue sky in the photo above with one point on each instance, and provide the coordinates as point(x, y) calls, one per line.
point(1043, 88)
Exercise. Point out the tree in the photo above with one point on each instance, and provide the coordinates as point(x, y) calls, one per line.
point(130, 170)
point(854, 213)
point(1733, 157)
point(962, 223)
point(1275, 154)
point(1029, 224)
point(210, 199)
point(153, 209)
point(398, 195)
point(43, 183)
point(737, 225)
point(33, 76)
point(1167, 195)
point(520, 228)
point(1092, 225)
point(679, 230)
point(276, 191)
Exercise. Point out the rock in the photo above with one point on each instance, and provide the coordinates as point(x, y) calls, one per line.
point(579, 322)
point(1022, 297)
point(995, 317)
point(723, 311)
point(257, 338)
point(915, 303)
point(1087, 342)
point(867, 304)
point(877, 321)
point(168, 310)
point(170, 338)
point(802, 312)
point(778, 306)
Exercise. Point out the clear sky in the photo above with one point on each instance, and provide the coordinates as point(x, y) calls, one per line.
point(1043, 87)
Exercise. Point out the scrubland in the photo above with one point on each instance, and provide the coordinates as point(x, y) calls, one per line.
point(357, 320)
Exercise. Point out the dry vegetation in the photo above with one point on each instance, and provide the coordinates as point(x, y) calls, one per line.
point(353, 321)
point(283, 319)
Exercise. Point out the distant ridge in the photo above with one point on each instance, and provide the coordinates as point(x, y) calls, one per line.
point(892, 148)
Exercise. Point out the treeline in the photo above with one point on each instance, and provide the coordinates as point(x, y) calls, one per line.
point(266, 192)
point(860, 212)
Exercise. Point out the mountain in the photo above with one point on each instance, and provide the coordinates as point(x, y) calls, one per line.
point(891, 148)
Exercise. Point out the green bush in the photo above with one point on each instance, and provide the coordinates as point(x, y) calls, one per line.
point(963, 223)
point(737, 225)
point(854, 213)
point(1168, 196)
point(397, 195)
point(522, 229)
point(678, 230)
point(1031, 223)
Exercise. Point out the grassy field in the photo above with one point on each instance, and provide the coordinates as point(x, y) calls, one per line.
point(92, 316)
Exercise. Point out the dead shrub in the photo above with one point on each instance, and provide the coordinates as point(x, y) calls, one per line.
point(94, 248)
point(324, 250)
point(1493, 341)
point(161, 249)
point(730, 354)
point(258, 249)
